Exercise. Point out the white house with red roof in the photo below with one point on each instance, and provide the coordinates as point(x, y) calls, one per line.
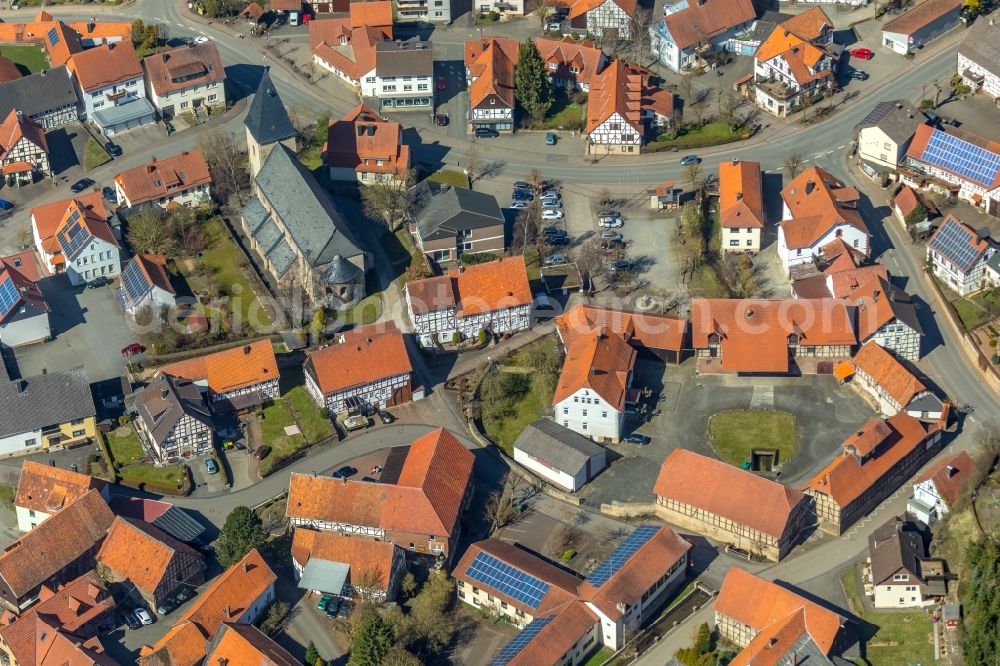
point(145, 282)
point(571, 64)
point(23, 148)
point(955, 162)
point(181, 179)
point(794, 61)
point(111, 86)
point(958, 256)
point(603, 18)
point(346, 46)
point(940, 487)
point(73, 236)
point(362, 147)
point(690, 28)
point(24, 313)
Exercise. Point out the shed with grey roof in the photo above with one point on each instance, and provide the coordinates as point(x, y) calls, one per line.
point(562, 457)
point(48, 98)
point(33, 409)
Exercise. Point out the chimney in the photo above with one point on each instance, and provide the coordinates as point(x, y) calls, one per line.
point(22, 388)
point(246, 349)
point(227, 612)
point(222, 661)
point(899, 105)
point(875, 295)
point(739, 195)
point(810, 186)
point(748, 313)
point(952, 470)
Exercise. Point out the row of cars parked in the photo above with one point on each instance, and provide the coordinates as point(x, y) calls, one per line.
point(334, 606)
point(548, 198)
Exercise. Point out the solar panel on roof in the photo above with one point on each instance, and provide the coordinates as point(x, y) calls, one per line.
point(504, 578)
point(53, 37)
point(178, 524)
point(614, 562)
point(73, 236)
point(966, 159)
point(8, 295)
point(518, 643)
point(134, 282)
point(957, 244)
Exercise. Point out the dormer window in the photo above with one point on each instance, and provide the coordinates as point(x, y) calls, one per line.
point(343, 40)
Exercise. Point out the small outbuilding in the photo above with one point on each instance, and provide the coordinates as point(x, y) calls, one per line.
point(927, 21)
point(562, 457)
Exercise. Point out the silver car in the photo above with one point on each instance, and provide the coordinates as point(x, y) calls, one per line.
point(554, 260)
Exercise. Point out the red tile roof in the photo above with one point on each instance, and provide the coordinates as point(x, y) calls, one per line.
point(552, 643)
point(15, 128)
point(162, 178)
point(105, 65)
point(363, 555)
point(95, 225)
point(727, 491)
point(25, 263)
point(646, 329)
point(184, 67)
point(818, 203)
point(741, 195)
point(369, 355)
point(950, 475)
point(587, 59)
point(702, 21)
point(362, 138)
point(48, 217)
point(426, 499)
point(898, 382)
point(580, 7)
point(230, 369)
point(347, 46)
point(142, 553)
point(237, 644)
point(491, 286)
point(68, 36)
point(921, 16)
point(8, 70)
point(154, 268)
point(615, 90)
point(372, 14)
point(183, 645)
point(848, 283)
point(804, 27)
point(600, 361)
point(48, 489)
point(493, 69)
point(431, 294)
point(753, 334)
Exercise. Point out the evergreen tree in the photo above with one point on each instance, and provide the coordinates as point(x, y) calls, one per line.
point(531, 85)
point(241, 533)
point(372, 642)
point(312, 654)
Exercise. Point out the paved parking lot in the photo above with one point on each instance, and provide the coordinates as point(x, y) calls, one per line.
point(827, 413)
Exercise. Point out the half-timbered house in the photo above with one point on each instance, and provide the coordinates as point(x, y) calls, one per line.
point(235, 378)
point(614, 111)
point(173, 418)
point(607, 19)
point(23, 149)
point(489, 73)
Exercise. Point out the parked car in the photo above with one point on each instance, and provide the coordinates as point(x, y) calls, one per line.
point(132, 621)
point(345, 608)
point(441, 119)
point(690, 159)
point(551, 204)
point(636, 438)
point(143, 616)
point(521, 195)
point(610, 222)
point(167, 606)
point(859, 75)
point(554, 26)
point(324, 602)
point(441, 84)
point(486, 133)
point(522, 185)
point(99, 282)
point(262, 452)
point(200, 39)
point(376, 469)
point(623, 265)
point(520, 205)
point(332, 607)
point(550, 138)
point(385, 417)
point(6, 205)
point(132, 349)
point(356, 423)
point(554, 260)
point(344, 472)
point(210, 466)
point(555, 241)
point(550, 214)
point(182, 596)
point(81, 185)
point(113, 149)
point(608, 235)
point(549, 196)
point(609, 213)
point(863, 54)
point(109, 194)
point(553, 231)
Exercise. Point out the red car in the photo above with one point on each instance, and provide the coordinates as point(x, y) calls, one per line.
point(132, 349)
point(441, 83)
point(863, 54)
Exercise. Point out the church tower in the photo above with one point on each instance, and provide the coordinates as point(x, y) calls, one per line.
point(267, 124)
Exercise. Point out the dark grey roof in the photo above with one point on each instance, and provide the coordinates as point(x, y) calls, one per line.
point(178, 524)
point(898, 118)
point(44, 400)
point(165, 401)
point(925, 403)
point(315, 225)
point(341, 271)
point(895, 545)
point(457, 209)
point(414, 58)
point(38, 93)
point(902, 306)
point(994, 262)
point(766, 24)
point(267, 119)
point(560, 447)
point(982, 43)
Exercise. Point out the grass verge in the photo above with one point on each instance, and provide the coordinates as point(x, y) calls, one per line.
point(274, 419)
point(450, 177)
point(166, 476)
point(94, 155)
point(710, 134)
point(736, 432)
point(310, 417)
point(29, 58)
point(599, 657)
point(125, 446)
point(7, 496)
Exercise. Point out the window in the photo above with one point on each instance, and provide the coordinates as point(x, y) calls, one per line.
point(604, 415)
point(421, 86)
point(213, 97)
point(576, 398)
point(31, 442)
point(79, 433)
point(31, 513)
point(553, 65)
point(184, 105)
point(900, 577)
point(584, 426)
point(565, 410)
point(734, 242)
point(584, 412)
point(370, 79)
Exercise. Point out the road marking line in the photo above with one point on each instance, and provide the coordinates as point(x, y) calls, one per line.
point(816, 157)
point(839, 147)
point(829, 152)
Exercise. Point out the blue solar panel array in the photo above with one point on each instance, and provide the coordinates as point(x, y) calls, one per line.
point(53, 37)
point(502, 577)
point(8, 295)
point(516, 644)
point(608, 567)
point(73, 236)
point(966, 159)
point(134, 282)
point(956, 243)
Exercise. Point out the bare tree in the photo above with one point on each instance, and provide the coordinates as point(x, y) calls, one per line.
point(728, 103)
point(388, 201)
point(740, 276)
point(590, 259)
point(227, 163)
point(472, 163)
point(639, 26)
point(503, 505)
point(368, 583)
point(694, 174)
point(525, 230)
point(793, 163)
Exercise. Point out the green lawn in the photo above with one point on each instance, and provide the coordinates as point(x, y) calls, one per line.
point(272, 426)
point(893, 638)
point(526, 410)
point(94, 155)
point(599, 657)
point(735, 432)
point(125, 446)
point(710, 134)
point(7, 496)
point(167, 476)
point(532, 262)
point(569, 117)
point(451, 177)
point(310, 417)
point(27, 56)
point(365, 312)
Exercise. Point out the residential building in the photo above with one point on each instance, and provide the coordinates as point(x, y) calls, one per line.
point(770, 336)
point(571, 64)
point(818, 209)
point(403, 78)
point(654, 335)
point(24, 313)
point(145, 282)
point(906, 201)
point(301, 238)
point(892, 386)
point(836, 271)
point(111, 87)
point(455, 221)
point(62, 40)
point(886, 314)
point(941, 487)
point(417, 504)
point(144, 559)
point(293, 10)
point(614, 111)
point(917, 26)
point(369, 369)
point(239, 596)
point(741, 205)
point(24, 151)
point(245, 643)
point(958, 256)
point(186, 78)
point(607, 19)
point(433, 11)
point(46, 412)
point(233, 379)
point(346, 46)
point(775, 625)
point(562, 457)
point(56, 552)
point(347, 566)
point(44, 490)
point(979, 56)
point(363, 148)
point(874, 462)
point(729, 504)
point(181, 179)
point(61, 628)
point(489, 73)
point(494, 297)
point(691, 31)
point(86, 246)
point(901, 573)
point(47, 219)
point(955, 163)
point(884, 136)
point(174, 419)
point(48, 97)
point(794, 64)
